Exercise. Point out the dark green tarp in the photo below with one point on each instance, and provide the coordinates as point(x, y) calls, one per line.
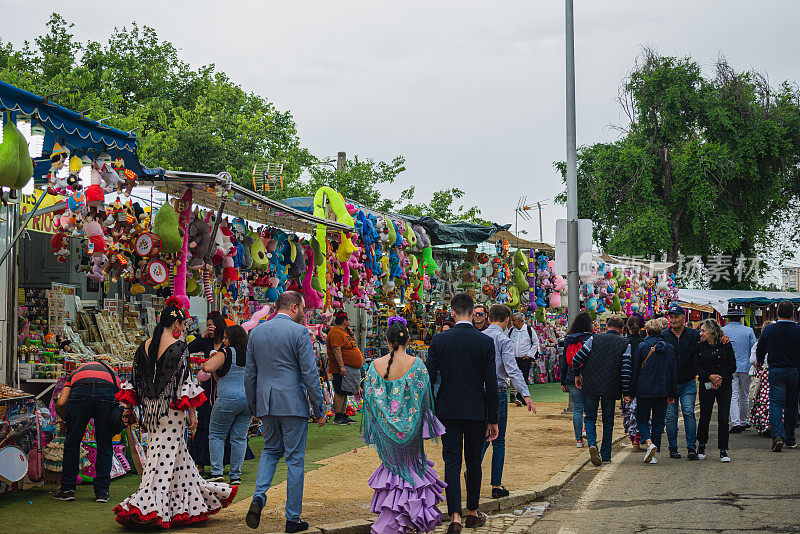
point(457, 233)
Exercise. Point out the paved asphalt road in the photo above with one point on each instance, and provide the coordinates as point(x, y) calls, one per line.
point(759, 491)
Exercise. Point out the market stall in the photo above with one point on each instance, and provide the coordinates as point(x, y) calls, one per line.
point(758, 306)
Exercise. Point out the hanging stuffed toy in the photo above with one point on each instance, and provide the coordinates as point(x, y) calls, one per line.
point(95, 196)
point(179, 281)
point(127, 178)
point(314, 299)
point(59, 245)
point(97, 242)
point(165, 226)
point(57, 185)
point(74, 180)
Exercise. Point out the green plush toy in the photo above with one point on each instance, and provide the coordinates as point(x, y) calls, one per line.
point(25, 162)
point(258, 252)
point(9, 155)
point(193, 289)
point(520, 280)
point(616, 305)
point(165, 226)
point(520, 260)
point(319, 257)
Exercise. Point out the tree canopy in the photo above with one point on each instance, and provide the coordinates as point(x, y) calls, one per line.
point(706, 166)
point(189, 119)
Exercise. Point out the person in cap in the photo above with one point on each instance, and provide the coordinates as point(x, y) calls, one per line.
point(743, 340)
point(684, 342)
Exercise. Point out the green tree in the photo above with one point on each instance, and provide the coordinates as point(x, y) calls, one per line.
point(192, 119)
point(358, 181)
point(187, 119)
point(441, 207)
point(706, 166)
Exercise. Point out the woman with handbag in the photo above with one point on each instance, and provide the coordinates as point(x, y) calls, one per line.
point(715, 363)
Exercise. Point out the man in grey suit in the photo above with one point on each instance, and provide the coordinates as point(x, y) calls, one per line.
point(280, 378)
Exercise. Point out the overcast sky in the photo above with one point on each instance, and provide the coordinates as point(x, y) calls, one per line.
point(471, 92)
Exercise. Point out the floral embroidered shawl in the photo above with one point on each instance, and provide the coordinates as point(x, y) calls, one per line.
point(394, 414)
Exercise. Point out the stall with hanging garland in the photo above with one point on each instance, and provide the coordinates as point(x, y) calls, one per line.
point(56, 166)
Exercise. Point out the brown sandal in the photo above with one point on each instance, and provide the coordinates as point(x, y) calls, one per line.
point(475, 521)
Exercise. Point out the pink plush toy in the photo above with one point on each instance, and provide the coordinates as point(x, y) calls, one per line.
point(256, 318)
point(179, 282)
point(555, 299)
point(559, 284)
point(314, 299)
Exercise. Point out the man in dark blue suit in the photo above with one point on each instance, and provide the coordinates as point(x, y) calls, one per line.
point(466, 404)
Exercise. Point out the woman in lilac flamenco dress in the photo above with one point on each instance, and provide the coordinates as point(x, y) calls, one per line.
point(398, 417)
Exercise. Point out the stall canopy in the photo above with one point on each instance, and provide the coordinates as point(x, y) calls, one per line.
point(518, 242)
point(718, 299)
point(242, 202)
point(457, 233)
point(440, 233)
point(82, 136)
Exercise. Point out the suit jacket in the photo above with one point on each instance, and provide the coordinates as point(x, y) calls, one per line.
point(281, 371)
point(464, 357)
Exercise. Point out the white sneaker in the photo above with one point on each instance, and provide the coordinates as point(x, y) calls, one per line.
point(723, 457)
point(650, 454)
point(653, 461)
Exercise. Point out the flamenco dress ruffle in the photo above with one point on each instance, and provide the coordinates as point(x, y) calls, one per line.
point(407, 507)
point(172, 493)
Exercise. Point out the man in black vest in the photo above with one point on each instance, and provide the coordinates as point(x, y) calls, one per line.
point(466, 404)
point(598, 368)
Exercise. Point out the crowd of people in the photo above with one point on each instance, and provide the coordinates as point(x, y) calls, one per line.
point(459, 394)
point(673, 366)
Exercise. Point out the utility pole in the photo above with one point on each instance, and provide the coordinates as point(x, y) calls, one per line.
point(572, 175)
point(572, 170)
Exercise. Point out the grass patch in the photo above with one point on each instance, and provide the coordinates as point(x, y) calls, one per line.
point(35, 511)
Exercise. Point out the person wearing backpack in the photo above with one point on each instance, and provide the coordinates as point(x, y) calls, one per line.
point(652, 380)
point(526, 347)
point(579, 331)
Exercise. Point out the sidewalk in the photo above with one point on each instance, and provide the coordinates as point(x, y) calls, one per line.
point(336, 497)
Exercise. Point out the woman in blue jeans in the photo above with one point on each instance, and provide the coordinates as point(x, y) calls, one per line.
point(230, 412)
point(579, 331)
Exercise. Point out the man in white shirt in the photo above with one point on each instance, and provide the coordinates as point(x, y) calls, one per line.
point(526, 347)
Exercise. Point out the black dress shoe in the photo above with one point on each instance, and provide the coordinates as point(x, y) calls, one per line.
point(736, 430)
point(253, 517)
point(499, 492)
point(296, 526)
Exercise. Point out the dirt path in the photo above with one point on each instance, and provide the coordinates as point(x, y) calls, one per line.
point(537, 447)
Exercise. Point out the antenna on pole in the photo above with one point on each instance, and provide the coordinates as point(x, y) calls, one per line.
point(521, 211)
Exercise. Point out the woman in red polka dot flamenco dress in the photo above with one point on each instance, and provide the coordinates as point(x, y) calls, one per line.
point(172, 492)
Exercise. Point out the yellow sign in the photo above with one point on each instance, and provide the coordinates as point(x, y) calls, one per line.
point(41, 223)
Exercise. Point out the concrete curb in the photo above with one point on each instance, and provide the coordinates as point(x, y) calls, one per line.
point(516, 499)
